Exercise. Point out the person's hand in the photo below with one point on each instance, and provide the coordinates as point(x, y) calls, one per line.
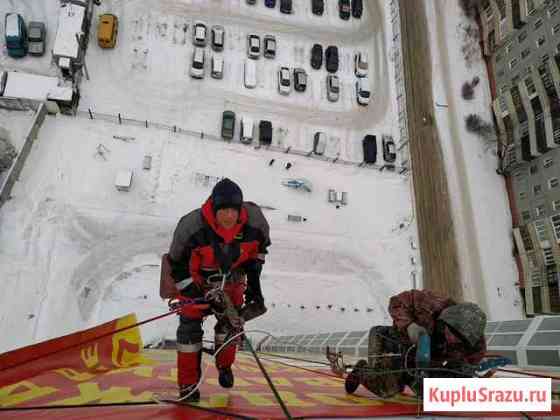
point(188, 308)
point(414, 332)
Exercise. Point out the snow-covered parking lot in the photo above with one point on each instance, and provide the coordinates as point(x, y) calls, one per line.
point(147, 75)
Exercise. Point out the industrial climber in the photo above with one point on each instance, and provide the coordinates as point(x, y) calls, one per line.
point(227, 238)
point(456, 338)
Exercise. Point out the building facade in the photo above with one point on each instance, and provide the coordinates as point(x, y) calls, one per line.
point(521, 41)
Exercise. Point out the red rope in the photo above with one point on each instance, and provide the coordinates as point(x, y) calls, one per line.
point(155, 318)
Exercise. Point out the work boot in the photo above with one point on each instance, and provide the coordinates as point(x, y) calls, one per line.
point(187, 395)
point(353, 379)
point(225, 377)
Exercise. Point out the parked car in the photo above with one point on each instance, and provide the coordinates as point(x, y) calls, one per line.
point(16, 35)
point(250, 74)
point(389, 150)
point(270, 3)
point(253, 46)
point(361, 64)
point(300, 80)
point(199, 34)
point(284, 81)
point(357, 8)
point(319, 143)
point(247, 130)
point(36, 38)
point(218, 37)
point(333, 87)
point(316, 56)
point(362, 91)
point(228, 124)
point(344, 9)
point(107, 30)
point(217, 67)
point(265, 132)
point(331, 59)
point(369, 144)
point(269, 46)
point(286, 6)
point(197, 65)
point(318, 7)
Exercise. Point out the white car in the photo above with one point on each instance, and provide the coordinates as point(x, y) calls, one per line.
point(253, 46)
point(199, 34)
point(284, 81)
point(218, 35)
point(333, 88)
point(360, 64)
point(217, 67)
point(362, 91)
point(197, 65)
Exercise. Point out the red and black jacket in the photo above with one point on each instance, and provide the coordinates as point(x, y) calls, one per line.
point(200, 247)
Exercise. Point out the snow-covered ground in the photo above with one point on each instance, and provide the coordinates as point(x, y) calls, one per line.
point(481, 214)
point(76, 252)
point(81, 252)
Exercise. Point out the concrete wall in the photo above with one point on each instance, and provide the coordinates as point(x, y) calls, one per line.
point(12, 175)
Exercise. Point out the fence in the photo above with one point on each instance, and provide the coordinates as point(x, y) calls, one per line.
point(529, 343)
point(122, 120)
point(400, 84)
point(12, 175)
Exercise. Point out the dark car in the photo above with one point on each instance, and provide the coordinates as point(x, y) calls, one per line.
point(389, 150)
point(270, 3)
point(286, 6)
point(370, 148)
point(269, 49)
point(318, 7)
point(228, 124)
point(265, 132)
point(357, 8)
point(36, 38)
point(344, 9)
point(317, 56)
point(300, 80)
point(331, 59)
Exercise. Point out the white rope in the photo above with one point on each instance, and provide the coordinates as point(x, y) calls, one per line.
point(159, 399)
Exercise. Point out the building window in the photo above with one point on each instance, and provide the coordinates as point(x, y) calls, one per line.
point(540, 227)
point(555, 220)
point(538, 23)
point(548, 162)
point(531, 89)
point(552, 10)
point(533, 169)
point(522, 36)
point(540, 41)
point(526, 215)
point(539, 211)
point(537, 189)
point(513, 62)
point(556, 205)
point(552, 183)
point(555, 28)
point(545, 58)
point(525, 53)
point(508, 47)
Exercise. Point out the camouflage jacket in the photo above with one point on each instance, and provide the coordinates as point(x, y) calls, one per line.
point(424, 307)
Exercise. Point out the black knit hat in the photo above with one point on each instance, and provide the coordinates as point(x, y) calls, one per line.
point(226, 195)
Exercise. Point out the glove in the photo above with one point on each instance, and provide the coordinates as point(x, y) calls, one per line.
point(254, 292)
point(414, 332)
point(192, 310)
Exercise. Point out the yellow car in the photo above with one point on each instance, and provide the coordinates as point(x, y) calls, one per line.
point(107, 30)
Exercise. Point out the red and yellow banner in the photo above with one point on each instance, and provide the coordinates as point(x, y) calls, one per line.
point(95, 368)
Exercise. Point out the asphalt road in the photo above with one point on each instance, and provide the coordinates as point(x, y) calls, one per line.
point(441, 271)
